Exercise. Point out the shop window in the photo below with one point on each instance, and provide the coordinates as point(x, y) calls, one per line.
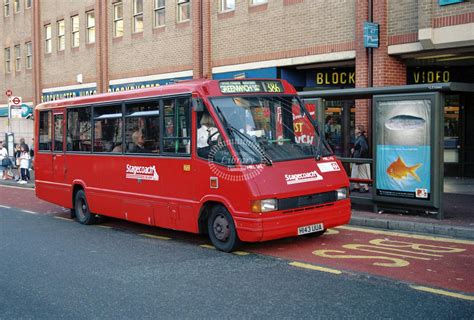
point(61, 35)
point(90, 27)
point(142, 127)
point(48, 45)
point(75, 31)
point(118, 19)
point(17, 58)
point(184, 10)
point(108, 129)
point(29, 55)
point(44, 142)
point(58, 132)
point(177, 126)
point(226, 5)
point(137, 16)
point(159, 13)
point(79, 129)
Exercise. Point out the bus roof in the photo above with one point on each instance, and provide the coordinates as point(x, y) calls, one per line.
point(204, 87)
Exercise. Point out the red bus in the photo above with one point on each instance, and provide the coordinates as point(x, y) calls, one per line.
point(239, 160)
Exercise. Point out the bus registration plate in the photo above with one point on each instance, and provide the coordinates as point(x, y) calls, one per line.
point(310, 229)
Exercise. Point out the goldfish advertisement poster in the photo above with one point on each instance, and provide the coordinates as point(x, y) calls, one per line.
point(403, 152)
point(403, 171)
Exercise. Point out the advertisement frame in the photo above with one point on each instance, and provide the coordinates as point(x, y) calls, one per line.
point(436, 152)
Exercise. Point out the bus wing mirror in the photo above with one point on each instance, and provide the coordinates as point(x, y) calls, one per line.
point(198, 105)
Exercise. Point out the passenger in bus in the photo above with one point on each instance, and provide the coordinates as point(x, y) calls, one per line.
point(138, 139)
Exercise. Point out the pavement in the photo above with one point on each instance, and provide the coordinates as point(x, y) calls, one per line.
point(458, 208)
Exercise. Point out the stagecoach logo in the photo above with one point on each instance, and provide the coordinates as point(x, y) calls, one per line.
point(302, 177)
point(141, 172)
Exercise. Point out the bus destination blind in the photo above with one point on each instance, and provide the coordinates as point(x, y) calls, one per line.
point(250, 86)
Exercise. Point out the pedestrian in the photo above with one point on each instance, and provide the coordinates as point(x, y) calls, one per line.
point(17, 154)
point(3, 162)
point(24, 164)
point(328, 131)
point(32, 154)
point(360, 150)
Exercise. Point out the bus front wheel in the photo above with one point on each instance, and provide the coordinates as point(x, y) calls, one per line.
point(222, 230)
point(83, 214)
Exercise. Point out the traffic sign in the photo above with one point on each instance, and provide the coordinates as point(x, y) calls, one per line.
point(9, 93)
point(15, 101)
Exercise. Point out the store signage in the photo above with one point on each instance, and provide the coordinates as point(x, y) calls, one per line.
point(250, 86)
point(335, 78)
point(371, 35)
point(67, 94)
point(430, 76)
point(447, 2)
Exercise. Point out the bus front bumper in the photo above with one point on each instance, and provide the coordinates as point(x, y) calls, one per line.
point(276, 225)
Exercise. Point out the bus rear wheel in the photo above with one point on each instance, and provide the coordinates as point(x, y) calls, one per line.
point(81, 209)
point(222, 232)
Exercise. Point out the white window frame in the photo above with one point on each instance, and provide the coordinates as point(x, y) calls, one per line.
point(29, 55)
point(159, 7)
point(8, 57)
point(75, 35)
point(117, 20)
point(224, 5)
point(90, 27)
point(17, 51)
point(16, 6)
point(28, 4)
point(137, 16)
point(180, 7)
point(48, 38)
point(6, 8)
point(257, 2)
point(61, 32)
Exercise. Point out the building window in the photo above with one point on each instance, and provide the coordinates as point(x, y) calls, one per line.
point(29, 55)
point(118, 19)
point(137, 15)
point(27, 4)
point(16, 6)
point(47, 39)
point(75, 31)
point(184, 10)
point(6, 8)
point(254, 2)
point(17, 57)
point(159, 16)
point(61, 35)
point(226, 5)
point(8, 67)
point(90, 20)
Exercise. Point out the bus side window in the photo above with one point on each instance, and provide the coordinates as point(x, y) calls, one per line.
point(107, 129)
point(176, 119)
point(142, 127)
point(45, 128)
point(79, 130)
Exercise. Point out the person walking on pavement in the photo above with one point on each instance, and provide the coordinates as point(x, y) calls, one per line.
point(360, 150)
point(24, 164)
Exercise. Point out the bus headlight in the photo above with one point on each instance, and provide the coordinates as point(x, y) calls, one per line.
point(341, 193)
point(266, 205)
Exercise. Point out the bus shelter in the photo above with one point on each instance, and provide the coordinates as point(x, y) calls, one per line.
point(406, 135)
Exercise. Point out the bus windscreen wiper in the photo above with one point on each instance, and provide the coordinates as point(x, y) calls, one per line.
point(262, 152)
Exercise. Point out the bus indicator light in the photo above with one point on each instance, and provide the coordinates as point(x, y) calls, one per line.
point(214, 183)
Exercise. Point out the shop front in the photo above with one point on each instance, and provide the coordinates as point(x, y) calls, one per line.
point(458, 112)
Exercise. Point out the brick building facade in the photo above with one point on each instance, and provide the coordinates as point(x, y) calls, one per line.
point(311, 43)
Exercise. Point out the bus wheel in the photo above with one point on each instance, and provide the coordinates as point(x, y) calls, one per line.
point(222, 230)
point(83, 214)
